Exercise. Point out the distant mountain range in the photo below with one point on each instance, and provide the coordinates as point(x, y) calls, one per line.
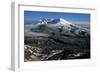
point(57, 26)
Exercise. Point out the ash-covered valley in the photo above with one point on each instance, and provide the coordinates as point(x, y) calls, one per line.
point(55, 39)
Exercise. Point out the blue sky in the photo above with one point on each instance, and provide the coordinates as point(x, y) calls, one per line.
point(76, 18)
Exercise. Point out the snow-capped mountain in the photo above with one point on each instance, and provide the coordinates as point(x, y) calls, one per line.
point(63, 25)
point(59, 26)
point(55, 23)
